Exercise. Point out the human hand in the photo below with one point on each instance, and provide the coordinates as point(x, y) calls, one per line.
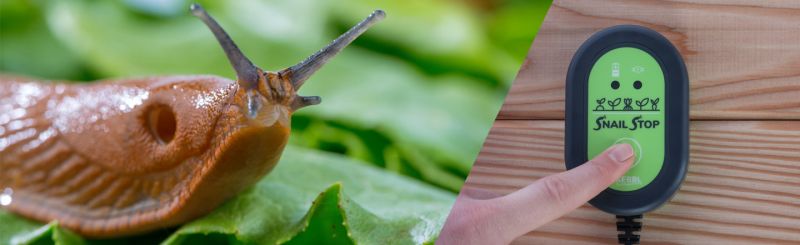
point(483, 217)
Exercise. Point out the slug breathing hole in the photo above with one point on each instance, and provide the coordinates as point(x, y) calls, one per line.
point(161, 123)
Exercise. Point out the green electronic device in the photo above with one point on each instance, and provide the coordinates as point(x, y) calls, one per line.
point(628, 84)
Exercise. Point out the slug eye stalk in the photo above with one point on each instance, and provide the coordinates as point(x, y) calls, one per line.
point(248, 74)
point(299, 73)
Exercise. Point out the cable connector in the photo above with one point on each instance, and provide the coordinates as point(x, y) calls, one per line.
point(628, 228)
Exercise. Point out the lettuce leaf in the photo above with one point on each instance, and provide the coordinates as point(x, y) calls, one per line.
point(310, 197)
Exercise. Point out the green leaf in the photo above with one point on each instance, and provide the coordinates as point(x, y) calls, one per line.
point(310, 197)
point(16, 230)
point(358, 202)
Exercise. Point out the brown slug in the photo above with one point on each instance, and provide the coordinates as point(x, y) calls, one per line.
point(123, 157)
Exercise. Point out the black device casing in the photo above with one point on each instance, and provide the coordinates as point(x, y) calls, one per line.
point(676, 98)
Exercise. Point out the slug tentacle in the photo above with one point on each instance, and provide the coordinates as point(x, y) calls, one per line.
point(303, 101)
point(247, 74)
point(301, 72)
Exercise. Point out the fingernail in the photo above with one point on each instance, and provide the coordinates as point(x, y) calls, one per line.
point(621, 153)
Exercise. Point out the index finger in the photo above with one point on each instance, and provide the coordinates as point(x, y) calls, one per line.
point(555, 195)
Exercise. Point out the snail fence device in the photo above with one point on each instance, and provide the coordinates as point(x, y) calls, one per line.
point(628, 84)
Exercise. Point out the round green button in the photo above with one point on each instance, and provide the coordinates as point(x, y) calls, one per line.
point(637, 148)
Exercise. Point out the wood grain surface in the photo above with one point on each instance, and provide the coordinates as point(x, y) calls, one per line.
point(743, 57)
point(743, 185)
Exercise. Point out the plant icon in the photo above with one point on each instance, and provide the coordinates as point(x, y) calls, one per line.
point(642, 103)
point(614, 103)
point(628, 102)
point(654, 104)
point(600, 104)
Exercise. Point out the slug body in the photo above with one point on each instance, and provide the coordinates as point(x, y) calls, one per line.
point(116, 158)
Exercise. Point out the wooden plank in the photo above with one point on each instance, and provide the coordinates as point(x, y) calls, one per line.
point(743, 57)
point(743, 185)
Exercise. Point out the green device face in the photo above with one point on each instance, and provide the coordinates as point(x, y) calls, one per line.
point(629, 84)
point(626, 101)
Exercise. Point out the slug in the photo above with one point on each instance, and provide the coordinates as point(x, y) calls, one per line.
point(124, 157)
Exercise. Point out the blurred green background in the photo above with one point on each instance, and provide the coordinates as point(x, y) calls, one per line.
point(414, 96)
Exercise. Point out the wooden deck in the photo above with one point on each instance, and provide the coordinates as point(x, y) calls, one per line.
point(743, 185)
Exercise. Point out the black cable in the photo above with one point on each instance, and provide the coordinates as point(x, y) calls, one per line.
point(628, 228)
